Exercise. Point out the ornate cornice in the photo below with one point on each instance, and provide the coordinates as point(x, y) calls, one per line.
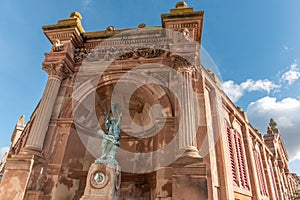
point(57, 69)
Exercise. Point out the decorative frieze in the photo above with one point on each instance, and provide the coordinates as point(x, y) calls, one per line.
point(144, 53)
point(121, 48)
point(80, 54)
point(120, 53)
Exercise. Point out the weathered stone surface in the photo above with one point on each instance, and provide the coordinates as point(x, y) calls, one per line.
point(103, 182)
point(56, 164)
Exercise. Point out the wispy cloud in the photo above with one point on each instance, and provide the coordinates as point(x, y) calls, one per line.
point(86, 4)
point(286, 114)
point(285, 49)
point(236, 91)
point(292, 75)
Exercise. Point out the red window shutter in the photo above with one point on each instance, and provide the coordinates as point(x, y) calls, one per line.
point(241, 161)
point(231, 154)
point(263, 189)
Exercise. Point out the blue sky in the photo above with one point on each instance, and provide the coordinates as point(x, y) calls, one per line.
point(255, 44)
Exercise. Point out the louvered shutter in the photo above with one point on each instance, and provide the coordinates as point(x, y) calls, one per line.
point(241, 161)
point(231, 154)
point(263, 189)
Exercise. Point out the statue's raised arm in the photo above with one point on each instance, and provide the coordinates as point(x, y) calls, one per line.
point(106, 120)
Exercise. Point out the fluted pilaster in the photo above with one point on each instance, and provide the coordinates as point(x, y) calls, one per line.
point(57, 71)
point(187, 120)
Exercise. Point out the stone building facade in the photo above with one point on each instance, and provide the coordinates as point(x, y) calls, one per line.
point(216, 153)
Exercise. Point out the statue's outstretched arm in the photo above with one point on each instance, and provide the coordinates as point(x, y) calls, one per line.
point(119, 119)
point(107, 122)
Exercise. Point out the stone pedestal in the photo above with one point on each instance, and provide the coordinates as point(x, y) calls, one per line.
point(103, 182)
point(34, 195)
point(20, 176)
point(189, 179)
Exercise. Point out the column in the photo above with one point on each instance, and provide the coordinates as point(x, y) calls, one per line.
point(57, 71)
point(187, 130)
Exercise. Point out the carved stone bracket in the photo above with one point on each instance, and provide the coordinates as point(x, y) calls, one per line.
point(57, 69)
point(57, 46)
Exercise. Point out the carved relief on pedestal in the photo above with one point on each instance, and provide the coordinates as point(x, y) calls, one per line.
point(103, 182)
point(57, 69)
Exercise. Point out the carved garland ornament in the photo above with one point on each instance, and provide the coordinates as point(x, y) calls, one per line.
point(57, 69)
point(122, 53)
point(80, 54)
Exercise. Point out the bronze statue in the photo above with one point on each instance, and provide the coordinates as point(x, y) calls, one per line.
point(111, 139)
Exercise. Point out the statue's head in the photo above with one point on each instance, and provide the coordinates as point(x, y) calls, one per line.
point(114, 107)
point(113, 119)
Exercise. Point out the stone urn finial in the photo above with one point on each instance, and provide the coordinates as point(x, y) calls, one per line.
point(181, 4)
point(76, 15)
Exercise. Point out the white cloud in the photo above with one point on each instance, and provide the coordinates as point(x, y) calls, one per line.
point(260, 85)
point(3, 150)
point(285, 113)
point(235, 91)
point(292, 75)
point(285, 47)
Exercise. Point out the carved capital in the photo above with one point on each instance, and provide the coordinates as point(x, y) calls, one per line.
point(57, 69)
point(180, 64)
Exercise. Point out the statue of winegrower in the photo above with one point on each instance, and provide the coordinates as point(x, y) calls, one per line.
point(111, 139)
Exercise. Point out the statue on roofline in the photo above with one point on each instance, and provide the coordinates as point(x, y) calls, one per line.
point(111, 139)
point(272, 128)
